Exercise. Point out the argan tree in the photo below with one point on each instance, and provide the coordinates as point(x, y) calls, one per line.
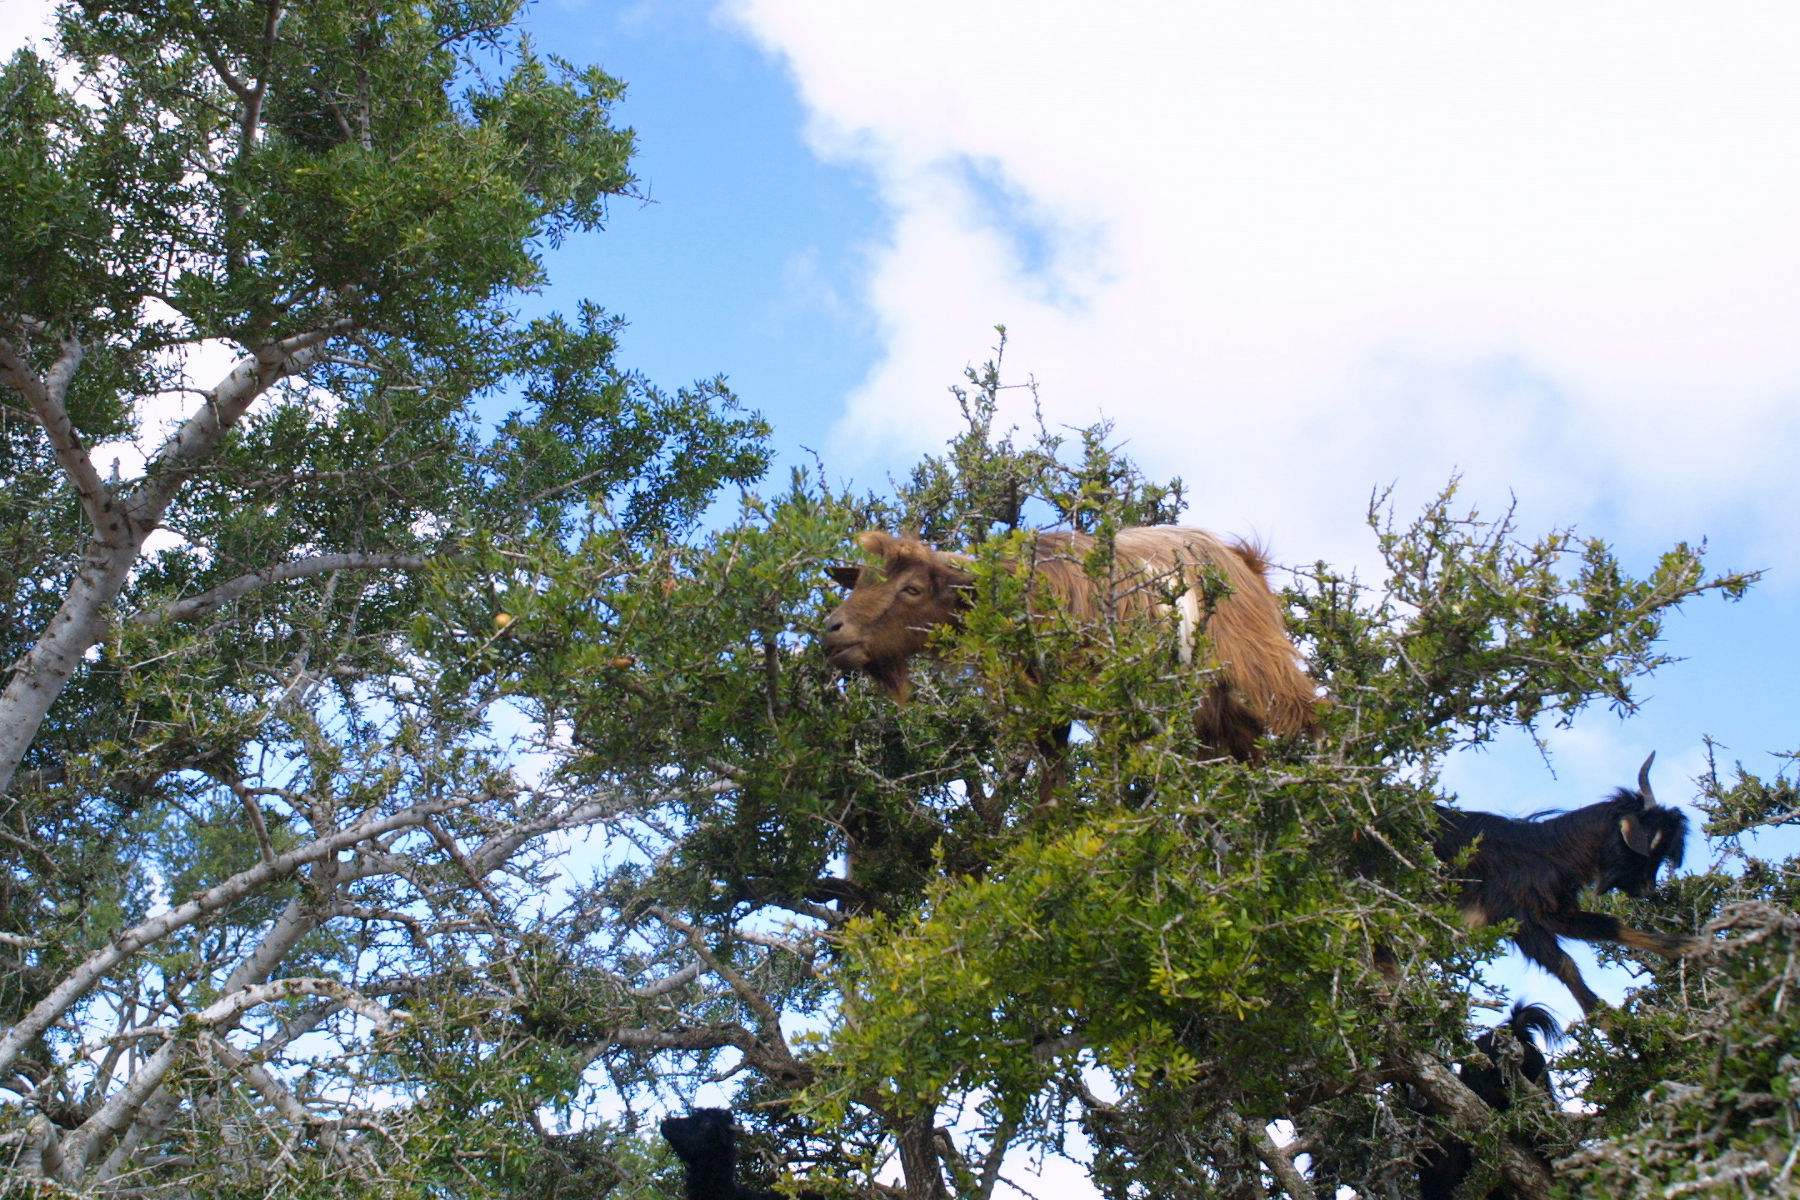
point(402, 794)
point(926, 936)
point(246, 821)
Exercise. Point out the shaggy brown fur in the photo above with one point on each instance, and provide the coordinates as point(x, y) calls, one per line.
point(892, 610)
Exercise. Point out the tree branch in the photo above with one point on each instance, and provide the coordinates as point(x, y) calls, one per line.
point(1278, 1159)
point(499, 849)
point(121, 524)
point(773, 1041)
point(82, 1147)
point(1525, 1174)
point(205, 602)
point(231, 1007)
point(225, 404)
point(278, 1096)
point(669, 983)
point(45, 396)
point(129, 942)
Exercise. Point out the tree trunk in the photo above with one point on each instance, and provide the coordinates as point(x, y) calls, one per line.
point(121, 523)
point(923, 1172)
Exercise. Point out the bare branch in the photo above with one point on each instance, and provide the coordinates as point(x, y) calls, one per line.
point(41, 1138)
point(222, 69)
point(261, 828)
point(773, 1041)
point(669, 983)
point(130, 941)
point(498, 849)
point(238, 1003)
point(276, 1093)
point(121, 525)
point(205, 602)
point(119, 1111)
point(705, 1037)
point(772, 942)
point(45, 396)
point(477, 878)
point(1279, 1160)
point(1526, 1175)
point(226, 403)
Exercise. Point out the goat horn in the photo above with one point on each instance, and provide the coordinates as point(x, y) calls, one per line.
point(1644, 782)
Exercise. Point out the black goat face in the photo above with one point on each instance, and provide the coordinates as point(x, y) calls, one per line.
point(705, 1135)
point(1647, 837)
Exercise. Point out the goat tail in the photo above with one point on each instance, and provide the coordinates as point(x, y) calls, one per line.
point(1535, 1018)
point(1253, 553)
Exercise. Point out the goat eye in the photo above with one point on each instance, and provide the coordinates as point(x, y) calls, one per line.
point(912, 589)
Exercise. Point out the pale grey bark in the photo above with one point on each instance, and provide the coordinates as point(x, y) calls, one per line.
point(129, 942)
point(126, 1105)
point(120, 1109)
point(45, 397)
point(141, 1111)
point(147, 1118)
point(225, 593)
point(121, 521)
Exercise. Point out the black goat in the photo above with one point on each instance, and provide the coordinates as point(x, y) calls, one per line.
point(1444, 1166)
point(1533, 870)
point(707, 1142)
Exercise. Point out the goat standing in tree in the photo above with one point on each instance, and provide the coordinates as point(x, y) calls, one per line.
point(706, 1141)
point(1444, 1166)
point(893, 609)
point(1533, 871)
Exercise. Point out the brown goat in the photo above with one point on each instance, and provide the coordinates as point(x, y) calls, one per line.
point(892, 610)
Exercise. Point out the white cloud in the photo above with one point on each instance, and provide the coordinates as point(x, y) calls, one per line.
point(1299, 250)
point(28, 23)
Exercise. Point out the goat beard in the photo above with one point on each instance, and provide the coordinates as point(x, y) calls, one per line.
point(894, 678)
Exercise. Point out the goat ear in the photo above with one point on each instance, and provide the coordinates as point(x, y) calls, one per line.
point(1632, 830)
point(877, 542)
point(950, 577)
point(845, 577)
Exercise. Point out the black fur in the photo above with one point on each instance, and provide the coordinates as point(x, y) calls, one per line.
point(706, 1141)
point(1533, 871)
point(1443, 1167)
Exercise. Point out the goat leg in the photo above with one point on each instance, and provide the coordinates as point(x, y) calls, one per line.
point(1053, 757)
point(1599, 927)
point(1541, 947)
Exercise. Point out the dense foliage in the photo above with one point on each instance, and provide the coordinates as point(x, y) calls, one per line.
point(405, 795)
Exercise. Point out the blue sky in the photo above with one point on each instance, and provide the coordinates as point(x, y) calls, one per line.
point(1296, 251)
point(745, 261)
point(1295, 256)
